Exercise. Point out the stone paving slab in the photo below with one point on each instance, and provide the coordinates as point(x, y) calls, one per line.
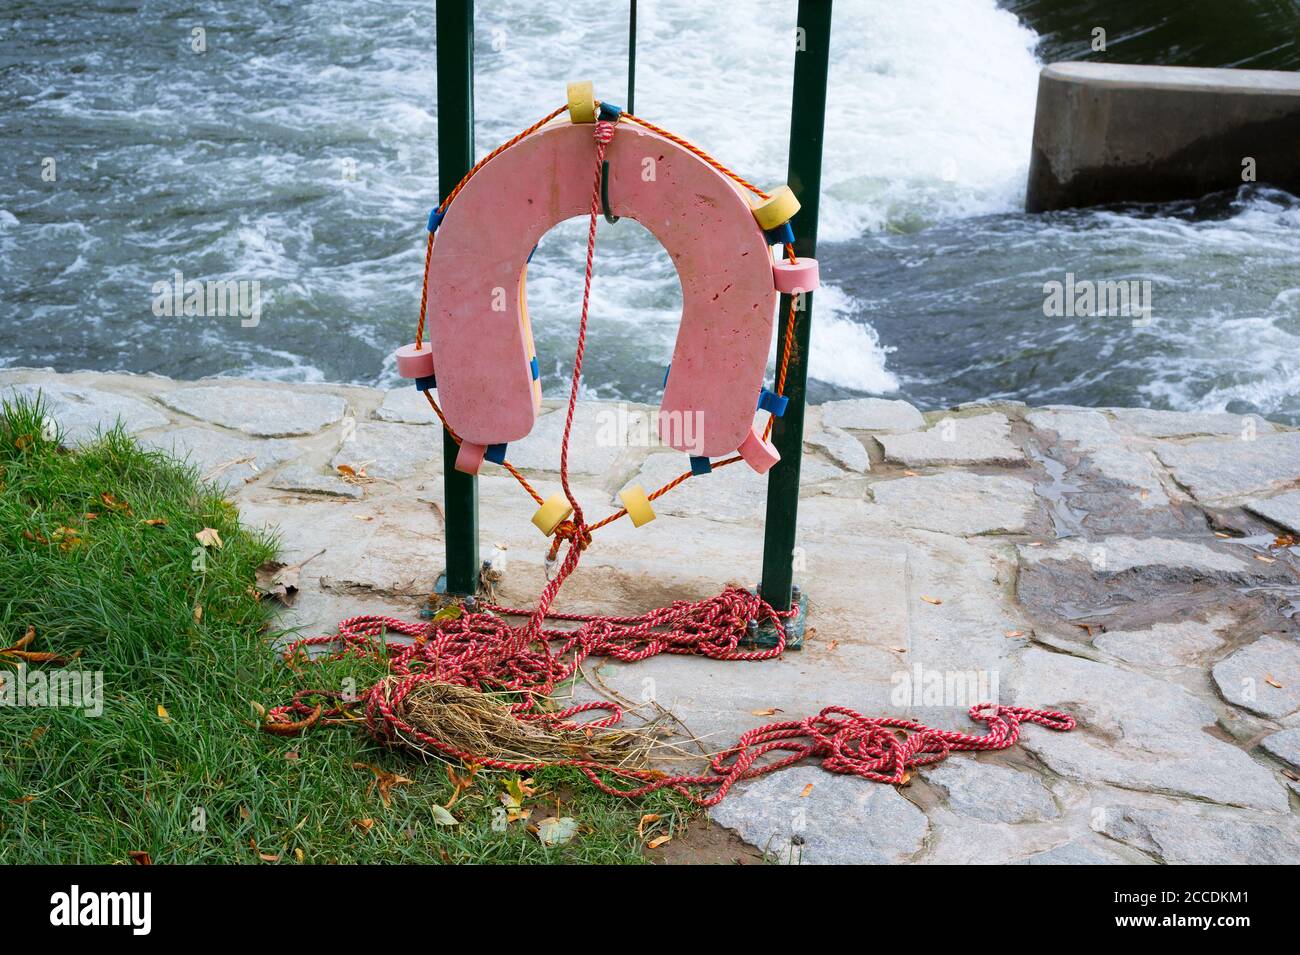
point(1281, 509)
point(981, 439)
point(261, 412)
point(224, 458)
point(871, 414)
point(1214, 470)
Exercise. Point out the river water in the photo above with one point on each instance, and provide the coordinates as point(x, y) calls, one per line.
point(296, 149)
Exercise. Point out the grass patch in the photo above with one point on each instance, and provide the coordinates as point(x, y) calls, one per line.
point(98, 556)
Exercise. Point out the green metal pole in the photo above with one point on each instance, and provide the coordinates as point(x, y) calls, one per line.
point(455, 24)
point(807, 122)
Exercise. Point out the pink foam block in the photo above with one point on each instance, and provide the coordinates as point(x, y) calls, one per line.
point(469, 458)
point(758, 452)
point(794, 277)
point(700, 217)
point(415, 361)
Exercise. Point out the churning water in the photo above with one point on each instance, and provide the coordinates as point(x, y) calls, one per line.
point(298, 151)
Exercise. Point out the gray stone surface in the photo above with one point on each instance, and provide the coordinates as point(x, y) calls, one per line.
point(1091, 434)
point(1281, 509)
point(1163, 645)
point(84, 412)
point(842, 447)
point(1150, 423)
point(842, 821)
point(1285, 746)
point(993, 793)
point(1188, 838)
point(1118, 553)
point(959, 503)
point(392, 451)
point(872, 414)
point(1072, 853)
point(223, 458)
point(305, 480)
point(406, 406)
point(732, 493)
point(981, 439)
point(599, 438)
point(1137, 733)
point(262, 412)
point(1212, 470)
point(1243, 678)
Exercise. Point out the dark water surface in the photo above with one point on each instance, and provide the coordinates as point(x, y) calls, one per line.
point(298, 151)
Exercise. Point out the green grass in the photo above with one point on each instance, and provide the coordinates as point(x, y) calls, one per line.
point(203, 783)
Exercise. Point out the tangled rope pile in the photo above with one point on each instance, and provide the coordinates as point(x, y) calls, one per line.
point(481, 650)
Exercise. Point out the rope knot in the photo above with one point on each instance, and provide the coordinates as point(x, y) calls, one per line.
point(569, 531)
point(604, 132)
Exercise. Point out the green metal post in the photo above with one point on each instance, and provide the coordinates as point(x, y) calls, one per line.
point(807, 122)
point(455, 24)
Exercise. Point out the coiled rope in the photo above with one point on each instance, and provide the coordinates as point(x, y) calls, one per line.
point(481, 650)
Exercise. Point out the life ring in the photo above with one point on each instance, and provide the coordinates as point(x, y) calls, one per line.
point(478, 323)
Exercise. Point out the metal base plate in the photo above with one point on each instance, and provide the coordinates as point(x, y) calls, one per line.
point(764, 637)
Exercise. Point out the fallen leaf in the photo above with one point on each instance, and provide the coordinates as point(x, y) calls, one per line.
point(113, 504)
point(807, 791)
point(931, 600)
point(156, 522)
point(460, 783)
point(384, 781)
point(280, 581)
point(442, 817)
point(1264, 560)
point(832, 645)
point(658, 841)
point(23, 800)
point(298, 856)
point(1283, 541)
point(244, 813)
point(198, 613)
point(267, 857)
point(557, 832)
point(1272, 682)
point(291, 756)
point(646, 820)
point(140, 858)
point(1014, 633)
point(770, 711)
point(90, 516)
point(365, 825)
point(209, 537)
point(899, 649)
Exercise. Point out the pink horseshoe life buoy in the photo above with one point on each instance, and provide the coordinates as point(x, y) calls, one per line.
point(478, 315)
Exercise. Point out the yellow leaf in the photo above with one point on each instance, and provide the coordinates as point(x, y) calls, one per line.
point(807, 791)
point(931, 600)
point(209, 537)
point(658, 841)
point(1272, 682)
point(198, 613)
point(156, 522)
point(163, 714)
point(770, 711)
point(298, 855)
point(646, 820)
point(365, 825)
